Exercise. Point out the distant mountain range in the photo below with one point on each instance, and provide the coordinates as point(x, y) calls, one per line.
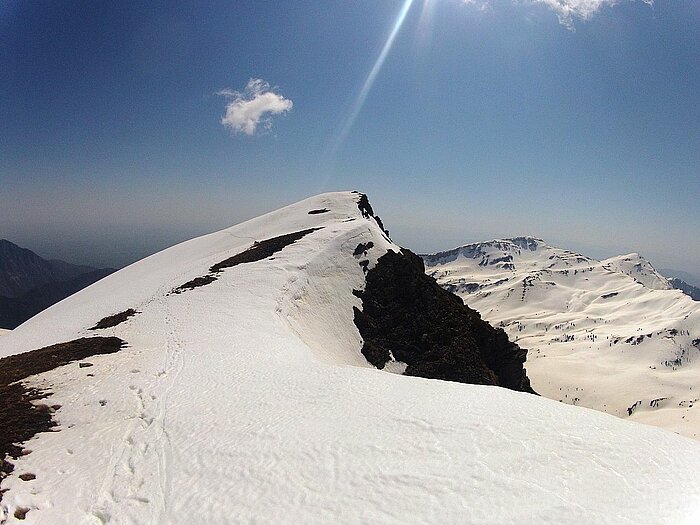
point(689, 278)
point(30, 284)
point(686, 282)
point(688, 289)
point(613, 335)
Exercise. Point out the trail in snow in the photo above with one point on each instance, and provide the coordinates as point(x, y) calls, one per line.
point(248, 400)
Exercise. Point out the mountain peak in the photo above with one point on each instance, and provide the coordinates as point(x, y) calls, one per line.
point(527, 241)
point(237, 360)
point(22, 270)
point(508, 254)
point(578, 317)
point(639, 269)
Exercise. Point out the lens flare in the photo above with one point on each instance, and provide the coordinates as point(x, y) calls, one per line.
point(369, 81)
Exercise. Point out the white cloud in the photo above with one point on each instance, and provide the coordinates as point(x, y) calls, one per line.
point(568, 10)
point(480, 5)
point(253, 106)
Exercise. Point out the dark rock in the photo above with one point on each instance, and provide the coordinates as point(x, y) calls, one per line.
point(691, 291)
point(381, 225)
point(363, 248)
point(407, 314)
point(365, 207)
point(630, 410)
point(367, 211)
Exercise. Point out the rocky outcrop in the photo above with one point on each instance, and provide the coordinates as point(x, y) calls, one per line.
point(406, 316)
point(688, 289)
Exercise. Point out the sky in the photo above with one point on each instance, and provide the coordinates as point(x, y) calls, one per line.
point(126, 127)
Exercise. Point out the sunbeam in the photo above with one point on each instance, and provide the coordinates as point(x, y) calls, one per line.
point(369, 82)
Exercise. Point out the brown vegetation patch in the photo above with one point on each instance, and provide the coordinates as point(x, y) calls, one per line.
point(195, 283)
point(114, 320)
point(20, 419)
point(260, 250)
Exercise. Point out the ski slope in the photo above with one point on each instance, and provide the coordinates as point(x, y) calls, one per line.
point(248, 400)
point(610, 335)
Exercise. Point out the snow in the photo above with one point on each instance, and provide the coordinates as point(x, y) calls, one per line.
point(248, 400)
point(608, 335)
point(3, 331)
point(635, 266)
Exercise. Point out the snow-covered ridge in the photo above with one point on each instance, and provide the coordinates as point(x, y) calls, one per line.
point(611, 335)
point(248, 400)
point(639, 269)
point(504, 253)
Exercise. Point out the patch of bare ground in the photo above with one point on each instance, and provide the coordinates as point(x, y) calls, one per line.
point(258, 251)
point(20, 418)
point(262, 250)
point(195, 283)
point(114, 320)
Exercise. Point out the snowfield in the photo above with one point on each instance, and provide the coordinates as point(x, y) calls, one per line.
point(610, 335)
point(4, 331)
point(247, 400)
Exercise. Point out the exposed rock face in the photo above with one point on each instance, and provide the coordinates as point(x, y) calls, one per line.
point(407, 316)
point(692, 291)
point(367, 211)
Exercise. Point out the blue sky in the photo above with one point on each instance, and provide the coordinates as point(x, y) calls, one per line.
point(573, 120)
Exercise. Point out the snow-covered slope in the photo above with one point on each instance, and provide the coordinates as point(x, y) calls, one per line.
point(3, 331)
point(610, 335)
point(247, 400)
point(639, 269)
